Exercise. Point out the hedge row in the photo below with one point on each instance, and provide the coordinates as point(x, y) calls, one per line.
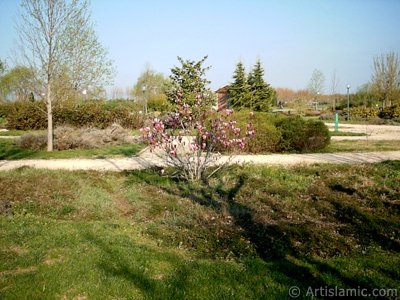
point(364, 113)
point(24, 115)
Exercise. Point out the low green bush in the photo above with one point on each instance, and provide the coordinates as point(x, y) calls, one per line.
point(392, 112)
point(24, 115)
point(279, 133)
point(302, 135)
point(363, 113)
point(159, 103)
point(267, 135)
point(4, 108)
point(266, 140)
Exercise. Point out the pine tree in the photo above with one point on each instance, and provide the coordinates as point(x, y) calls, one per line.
point(261, 93)
point(238, 90)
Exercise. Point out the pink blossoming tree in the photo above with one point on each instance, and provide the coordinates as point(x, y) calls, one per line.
point(190, 139)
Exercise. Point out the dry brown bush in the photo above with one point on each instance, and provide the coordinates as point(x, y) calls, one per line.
point(66, 138)
point(89, 138)
point(32, 141)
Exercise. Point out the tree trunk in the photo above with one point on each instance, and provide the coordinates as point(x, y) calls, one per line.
point(49, 120)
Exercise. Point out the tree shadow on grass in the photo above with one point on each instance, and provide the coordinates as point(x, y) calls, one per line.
point(184, 279)
point(116, 263)
point(274, 243)
point(9, 151)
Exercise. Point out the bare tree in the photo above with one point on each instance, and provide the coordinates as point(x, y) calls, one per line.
point(317, 82)
point(57, 40)
point(334, 86)
point(386, 78)
point(117, 93)
point(128, 93)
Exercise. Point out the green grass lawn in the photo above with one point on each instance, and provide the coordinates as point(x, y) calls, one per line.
point(361, 146)
point(10, 151)
point(17, 132)
point(250, 233)
point(346, 133)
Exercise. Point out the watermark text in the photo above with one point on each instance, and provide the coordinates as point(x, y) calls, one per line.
point(325, 291)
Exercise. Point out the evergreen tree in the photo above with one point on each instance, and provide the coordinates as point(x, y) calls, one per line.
point(239, 90)
point(261, 93)
point(188, 86)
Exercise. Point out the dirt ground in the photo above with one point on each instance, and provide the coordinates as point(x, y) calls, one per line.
point(373, 132)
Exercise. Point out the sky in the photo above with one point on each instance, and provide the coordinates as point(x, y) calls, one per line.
point(290, 37)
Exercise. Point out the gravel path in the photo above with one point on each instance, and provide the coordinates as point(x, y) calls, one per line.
point(373, 132)
point(146, 160)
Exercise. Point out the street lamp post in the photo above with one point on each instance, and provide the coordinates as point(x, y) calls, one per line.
point(348, 102)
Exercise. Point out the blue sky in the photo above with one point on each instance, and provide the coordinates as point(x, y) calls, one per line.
point(291, 37)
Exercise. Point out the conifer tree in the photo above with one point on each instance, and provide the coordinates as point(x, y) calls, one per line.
point(239, 90)
point(261, 93)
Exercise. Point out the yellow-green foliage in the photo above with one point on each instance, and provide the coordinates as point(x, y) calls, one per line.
point(391, 113)
point(361, 112)
point(25, 115)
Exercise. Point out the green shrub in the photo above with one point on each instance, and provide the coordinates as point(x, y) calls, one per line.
point(363, 113)
point(4, 109)
point(266, 140)
point(302, 135)
point(24, 115)
point(267, 136)
point(278, 133)
point(392, 112)
point(159, 103)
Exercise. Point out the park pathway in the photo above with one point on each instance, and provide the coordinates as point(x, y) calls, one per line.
point(147, 159)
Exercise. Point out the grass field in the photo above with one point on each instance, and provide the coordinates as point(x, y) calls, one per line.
point(250, 233)
point(18, 132)
point(9, 151)
point(361, 146)
point(346, 133)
